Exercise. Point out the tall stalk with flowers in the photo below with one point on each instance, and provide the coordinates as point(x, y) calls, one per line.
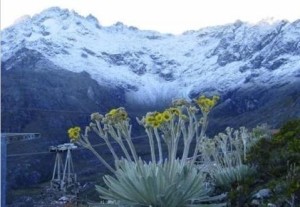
point(164, 181)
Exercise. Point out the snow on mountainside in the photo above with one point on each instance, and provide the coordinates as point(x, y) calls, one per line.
point(150, 65)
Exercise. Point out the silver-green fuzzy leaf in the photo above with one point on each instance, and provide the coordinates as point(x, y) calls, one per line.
point(167, 184)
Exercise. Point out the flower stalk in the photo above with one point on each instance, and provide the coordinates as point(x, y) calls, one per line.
point(178, 121)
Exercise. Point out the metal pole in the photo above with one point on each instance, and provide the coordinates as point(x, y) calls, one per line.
point(65, 180)
point(69, 166)
point(60, 166)
point(55, 166)
point(3, 170)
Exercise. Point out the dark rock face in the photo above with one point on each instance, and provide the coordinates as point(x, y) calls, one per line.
point(40, 97)
point(270, 46)
point(252, 106)
point(130, 59)
point(134, 60)
point(35, 88)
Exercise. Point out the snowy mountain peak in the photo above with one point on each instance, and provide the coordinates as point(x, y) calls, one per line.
point(148, 65)
point(56, 13)
point(92, 19)
point(271, 21)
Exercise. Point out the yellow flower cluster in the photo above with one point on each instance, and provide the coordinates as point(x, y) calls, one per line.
point(74, 134)
point(116, 115)
point(174, 111)
point(206, 104)
point(155, 119)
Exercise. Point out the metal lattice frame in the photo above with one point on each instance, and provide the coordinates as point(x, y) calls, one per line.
point(64, 176)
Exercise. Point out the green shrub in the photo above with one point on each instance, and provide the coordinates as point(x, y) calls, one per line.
point(278, 162)
point(272, 155)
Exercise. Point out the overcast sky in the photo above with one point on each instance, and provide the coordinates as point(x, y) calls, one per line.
point(168, 16)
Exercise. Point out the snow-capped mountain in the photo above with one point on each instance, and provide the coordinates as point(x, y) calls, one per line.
point(150, 64)
point(153, 68)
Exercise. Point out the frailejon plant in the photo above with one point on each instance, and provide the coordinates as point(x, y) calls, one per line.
point(225, 156)
point(147, 184)
point(163, 181)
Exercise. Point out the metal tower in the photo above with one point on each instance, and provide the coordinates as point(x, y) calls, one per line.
point(64, 178)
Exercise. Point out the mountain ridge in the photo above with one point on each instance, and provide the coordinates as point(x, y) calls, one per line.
point(148, 58)
point(148, 66)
